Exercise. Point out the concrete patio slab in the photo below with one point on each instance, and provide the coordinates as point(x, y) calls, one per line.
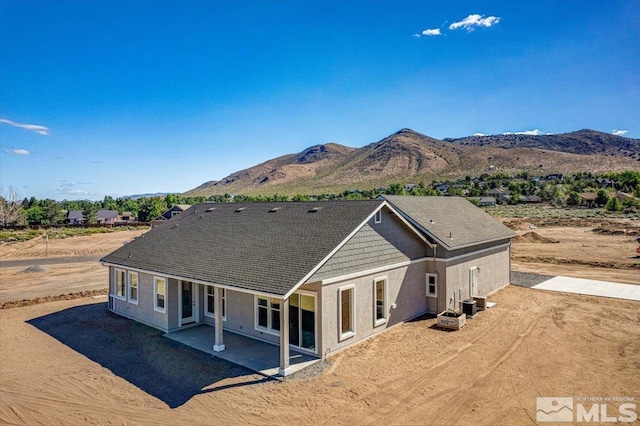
point(591, 287)
point(261, 357)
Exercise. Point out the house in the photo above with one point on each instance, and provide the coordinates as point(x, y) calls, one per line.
point(172, 212)
point(107, 217)
point(75, 217)
point(502, 194)
point(530, 199)
point(313, 277)
point(588, 199)
point(485, 201)
point(127, 217)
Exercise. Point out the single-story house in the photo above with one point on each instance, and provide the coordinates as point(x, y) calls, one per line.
point(315, 277)
point(127, 217)
point(588, 199)
point(171, 213)
point(75, 217)
point(485, 201)
point(530, 199)
point(107, 217)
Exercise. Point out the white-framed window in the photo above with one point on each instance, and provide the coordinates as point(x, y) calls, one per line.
point(121, 284)
point(210, 308)
point(133, 287)
point(432, 285)
point(378, 217)
point(346, 311)
point(160, 293)
point(268, 314)
point(175, 213)
point(379, 301)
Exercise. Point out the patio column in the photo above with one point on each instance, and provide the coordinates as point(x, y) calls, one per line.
point(219, 342)
point(284, 338)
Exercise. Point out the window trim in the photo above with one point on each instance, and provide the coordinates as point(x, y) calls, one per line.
point(269, 328)
point(378, 322)
point(155, 294)
point(206, 303)
point(435, 285)
point(119, 271)
point(343, 336)
point(129, 287)
point(378, 217)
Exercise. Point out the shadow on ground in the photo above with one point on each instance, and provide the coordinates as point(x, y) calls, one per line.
point(165, 369)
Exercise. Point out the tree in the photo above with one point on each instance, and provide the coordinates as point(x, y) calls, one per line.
point(90, 212)
point(573, 199)
point(10, 209)
point(150, 208)
point(51, 212)
point(602, 197)
point(613, 205)
point(396, 189)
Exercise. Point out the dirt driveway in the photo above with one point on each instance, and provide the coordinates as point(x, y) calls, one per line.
point(71, 362)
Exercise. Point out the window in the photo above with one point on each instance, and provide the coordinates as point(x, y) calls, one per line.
point(268, 314)
point(378, 217)
point(380, 301)
point(160, 289)
point(174, 213)
point(210, 310)
point(346, 311)
point(133, 287)
point(120, 284)
point(432, 285)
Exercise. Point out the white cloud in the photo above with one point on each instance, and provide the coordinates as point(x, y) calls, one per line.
point(432, 32)
point(475, 20)
point(42, 130)
point(76, 192)
point(416, 35)
point(18, 151)
point(535, 132)
point(619, 132)
point(479, 134)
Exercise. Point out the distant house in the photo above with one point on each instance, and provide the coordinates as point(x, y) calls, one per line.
point(502, 194)
point(107, 217)
point(485, 201)
point(127, 217)
point(588, 199)
point(75, 217)
point(309, 277)
point(530, 199)
point(171, 213)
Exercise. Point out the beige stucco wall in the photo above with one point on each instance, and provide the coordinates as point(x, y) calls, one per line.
point(143, 311)
point(493, 273)
point(405, 287)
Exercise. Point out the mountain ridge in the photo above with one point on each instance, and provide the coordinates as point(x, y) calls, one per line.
point(411, 157)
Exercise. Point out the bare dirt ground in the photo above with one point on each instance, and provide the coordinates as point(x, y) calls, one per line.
point(71, 362)
point(75, 246)
point(578, 251)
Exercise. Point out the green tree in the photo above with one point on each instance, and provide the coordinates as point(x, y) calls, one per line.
point(613, 205)
point(90, 211)
point(109, 203)
point(51, 212)
point(34, 215)
point(602, 197)
point(396, 189)
point(573, 199)
point(150, 208)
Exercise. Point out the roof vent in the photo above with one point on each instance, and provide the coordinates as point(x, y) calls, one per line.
point(450, 236)
point(275, 209)
point(210, 209)
point(314, 210)
point(432, 221)
point(239, 209)
point(175, 226)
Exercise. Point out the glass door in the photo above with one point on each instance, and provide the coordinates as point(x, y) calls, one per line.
point(302, 321)
point(187, 302)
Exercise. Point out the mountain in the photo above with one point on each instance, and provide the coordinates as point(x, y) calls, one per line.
point(411, 157)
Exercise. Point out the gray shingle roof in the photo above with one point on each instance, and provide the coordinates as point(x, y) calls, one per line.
point(107, 214)
point(441, 217)
point(75, 215)
point(262, 247)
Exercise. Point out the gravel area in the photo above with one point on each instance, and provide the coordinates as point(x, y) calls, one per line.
point(528, 279)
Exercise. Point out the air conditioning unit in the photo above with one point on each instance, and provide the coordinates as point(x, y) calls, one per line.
point(481, 302)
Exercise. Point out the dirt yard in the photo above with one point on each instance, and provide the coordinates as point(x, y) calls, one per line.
point(71, 362)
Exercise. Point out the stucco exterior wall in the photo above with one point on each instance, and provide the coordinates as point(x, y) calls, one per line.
point(406, 287)
point(493, 273)
point(144, 311)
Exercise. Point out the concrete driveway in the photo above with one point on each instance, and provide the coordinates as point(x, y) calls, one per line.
point(591, 287)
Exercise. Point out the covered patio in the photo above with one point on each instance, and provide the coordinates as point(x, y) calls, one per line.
point(261, 357)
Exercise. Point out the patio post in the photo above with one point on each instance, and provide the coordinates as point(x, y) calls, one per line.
point(219, 342)
point(284, 338)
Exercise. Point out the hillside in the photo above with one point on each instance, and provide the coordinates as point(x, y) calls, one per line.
point(411, 157)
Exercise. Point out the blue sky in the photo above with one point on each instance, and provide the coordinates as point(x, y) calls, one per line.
point(160, 96)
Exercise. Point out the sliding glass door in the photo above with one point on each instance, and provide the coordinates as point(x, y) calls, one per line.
point(302, 320)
